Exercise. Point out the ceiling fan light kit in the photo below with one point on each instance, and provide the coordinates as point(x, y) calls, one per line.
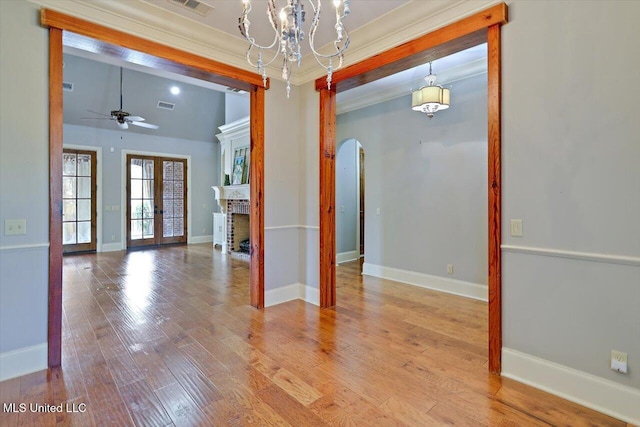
point(289, 34)
point(121, 117)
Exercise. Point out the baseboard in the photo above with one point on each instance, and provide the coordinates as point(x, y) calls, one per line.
point(347, 256)
point(111, 247)
point(585, 389)
point(438, 283)
point(200, 239)
point(23, 361)
point(290, 293)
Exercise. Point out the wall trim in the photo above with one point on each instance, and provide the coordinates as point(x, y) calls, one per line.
point(292, 292)
point(22, 248)
point(585, 389)
point(437, 283)
point(23, 361)
point(200, 239)
point(347, 256)
point(286, 227)
point(582, 256)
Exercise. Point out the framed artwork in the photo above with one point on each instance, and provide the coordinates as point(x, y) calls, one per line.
point(238, 169)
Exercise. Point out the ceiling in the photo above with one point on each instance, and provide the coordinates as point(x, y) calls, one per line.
point(366, 16)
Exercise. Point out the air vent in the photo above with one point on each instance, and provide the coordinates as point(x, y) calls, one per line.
point(67, 87)
point(166, 105)
point(194, 6)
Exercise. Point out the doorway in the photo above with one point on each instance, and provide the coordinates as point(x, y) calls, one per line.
point(156, 200)
point(65, 30)
point(361, 199)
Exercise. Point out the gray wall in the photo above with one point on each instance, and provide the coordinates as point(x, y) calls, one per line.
point(205, 172)
point(236, 107)
point(347, 202)
point(24, 175)
point(428, 177)
point(571, 157)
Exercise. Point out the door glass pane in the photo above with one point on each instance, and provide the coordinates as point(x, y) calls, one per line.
point(69, 233)
point(84, 232)
point(167, 228)
point(148, 169)
point(69, 187)
point(178, 208)
point(136, 229)
point(178, 171)
point(147, 189)
point(178, 227)
point(84, 209)
point(136, 209)
point(136, 168)
point(84, 165)
point(147, 228)
point(177, 190)
point(147, 208)
point(167, 170)
point(167, 189)
point(84, 188)
point(69, 164)
point(136, 189)
point(69, 210)
point(167, 208)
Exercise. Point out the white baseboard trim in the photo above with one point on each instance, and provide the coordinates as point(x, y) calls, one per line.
point(111, 247)
point(585, 389)
point(438, 283)
point(347, 256)
point(23, 361)
point(201, 239)
point(290, 293)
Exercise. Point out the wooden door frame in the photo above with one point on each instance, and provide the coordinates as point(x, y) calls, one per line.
point(482, 27)
point(158, 56)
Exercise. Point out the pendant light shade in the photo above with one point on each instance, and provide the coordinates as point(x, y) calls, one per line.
point(430, 98)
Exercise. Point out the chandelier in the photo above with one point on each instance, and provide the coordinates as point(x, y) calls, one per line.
point(430, 98)
point(289, 34)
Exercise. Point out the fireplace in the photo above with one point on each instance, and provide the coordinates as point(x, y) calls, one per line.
point(235, 206)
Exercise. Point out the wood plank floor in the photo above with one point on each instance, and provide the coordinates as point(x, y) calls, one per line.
point(166, 337)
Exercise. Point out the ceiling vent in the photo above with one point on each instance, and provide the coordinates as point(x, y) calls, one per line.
point(166, 105)
point(194, 6)
point(67, 87)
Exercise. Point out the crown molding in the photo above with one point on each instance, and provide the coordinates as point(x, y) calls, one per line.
point(151, 22)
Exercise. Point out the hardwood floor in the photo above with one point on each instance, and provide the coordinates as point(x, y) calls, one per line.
point(167, 337)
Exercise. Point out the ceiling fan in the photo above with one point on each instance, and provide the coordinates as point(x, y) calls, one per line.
point(122, 118)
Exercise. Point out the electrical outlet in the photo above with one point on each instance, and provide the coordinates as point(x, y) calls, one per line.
point(450, 268)
point(619, 361)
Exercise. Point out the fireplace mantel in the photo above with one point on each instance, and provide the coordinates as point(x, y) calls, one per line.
point(230, 192)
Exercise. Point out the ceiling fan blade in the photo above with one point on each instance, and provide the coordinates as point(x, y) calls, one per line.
point(102, 114)
point(145, 125)
point(122, 125)
point(97, 118)
point(135, 119)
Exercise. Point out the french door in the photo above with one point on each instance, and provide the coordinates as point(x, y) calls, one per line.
point(79, 211)
point(156, 200)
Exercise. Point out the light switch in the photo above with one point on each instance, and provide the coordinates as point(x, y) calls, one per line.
point(516, 228)
point(13, 227)
point(378, 211)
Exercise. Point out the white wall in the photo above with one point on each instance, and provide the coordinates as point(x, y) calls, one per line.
point(571, 159)
point(205, 172)
point(428, 178)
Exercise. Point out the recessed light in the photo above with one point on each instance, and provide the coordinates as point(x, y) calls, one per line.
point(175, 90)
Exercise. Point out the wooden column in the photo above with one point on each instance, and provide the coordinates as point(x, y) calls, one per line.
point(55, 198)
point(327, 197)
point(256, 182)
point(494, 95)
